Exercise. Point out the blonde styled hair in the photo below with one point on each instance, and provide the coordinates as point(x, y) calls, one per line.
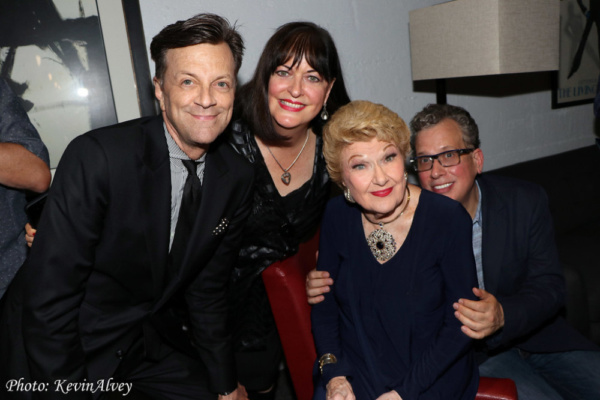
point(361, 121)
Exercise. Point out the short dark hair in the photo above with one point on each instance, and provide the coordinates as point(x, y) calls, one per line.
point(199, 29)
point(433, 114)
point(292, 41)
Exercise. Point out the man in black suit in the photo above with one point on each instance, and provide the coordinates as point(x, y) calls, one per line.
point(521, 287)
point(112, 292)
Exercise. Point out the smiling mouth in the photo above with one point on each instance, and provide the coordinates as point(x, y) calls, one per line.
point(444, 186)
point(204, 117)
point(291, 106)
point(382, 193)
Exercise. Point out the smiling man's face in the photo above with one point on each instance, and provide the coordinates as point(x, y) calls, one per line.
point(458, 181)
point(196, 95)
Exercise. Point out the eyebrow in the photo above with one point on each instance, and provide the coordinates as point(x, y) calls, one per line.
point(443, 148)
point(356, 156)
point(195, 76)
point(310, 71)
point(395, 148)
point(226, 76)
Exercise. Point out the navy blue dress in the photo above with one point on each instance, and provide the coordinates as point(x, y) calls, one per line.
point(392, 325)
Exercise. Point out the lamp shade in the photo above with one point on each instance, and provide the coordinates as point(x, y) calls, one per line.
point(484, 37)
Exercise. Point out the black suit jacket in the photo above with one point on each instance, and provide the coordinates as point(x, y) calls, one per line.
point(96, 277)
point(521, 267)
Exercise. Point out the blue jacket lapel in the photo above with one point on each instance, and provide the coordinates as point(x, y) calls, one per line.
point(496, 234)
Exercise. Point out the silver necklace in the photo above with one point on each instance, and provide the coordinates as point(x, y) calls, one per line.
point(380, 241)
point(286, 177)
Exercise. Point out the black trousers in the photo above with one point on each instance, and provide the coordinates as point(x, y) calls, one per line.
point(258, 370)
point(173, 376)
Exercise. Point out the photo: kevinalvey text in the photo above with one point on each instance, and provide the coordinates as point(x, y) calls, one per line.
point(65, 387)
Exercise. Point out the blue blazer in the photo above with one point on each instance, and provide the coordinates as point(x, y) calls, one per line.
point(521, 268)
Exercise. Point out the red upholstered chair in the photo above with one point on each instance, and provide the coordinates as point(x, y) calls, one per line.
point(496, 389)
point(285, 284)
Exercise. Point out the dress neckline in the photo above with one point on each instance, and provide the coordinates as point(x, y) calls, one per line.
point(270, 181)
point(408, 238)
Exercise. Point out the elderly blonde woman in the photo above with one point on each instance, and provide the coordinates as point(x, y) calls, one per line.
point(400, 257)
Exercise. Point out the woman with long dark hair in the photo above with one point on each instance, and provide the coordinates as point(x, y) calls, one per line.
point(297, 84)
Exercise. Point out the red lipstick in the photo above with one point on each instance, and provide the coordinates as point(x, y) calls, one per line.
point(382, 193)
point(290, 105)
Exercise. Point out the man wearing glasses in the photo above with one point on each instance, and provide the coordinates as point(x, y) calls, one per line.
point(521, 287)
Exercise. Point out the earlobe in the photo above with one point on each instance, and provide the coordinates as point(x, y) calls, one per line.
point(158, 91)
point(478, 158)
point(157, 88)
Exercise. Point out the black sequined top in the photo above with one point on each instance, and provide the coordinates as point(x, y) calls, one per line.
point(275, 228)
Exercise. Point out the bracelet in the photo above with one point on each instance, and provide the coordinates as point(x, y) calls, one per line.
point(325, 359)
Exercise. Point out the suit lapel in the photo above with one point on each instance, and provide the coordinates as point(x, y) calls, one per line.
point(155, 178)
point(495, 234)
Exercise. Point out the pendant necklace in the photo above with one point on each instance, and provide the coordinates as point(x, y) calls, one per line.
point(286, 177)
point(380, 241)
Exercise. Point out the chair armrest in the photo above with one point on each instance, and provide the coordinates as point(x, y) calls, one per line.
point(496, 389)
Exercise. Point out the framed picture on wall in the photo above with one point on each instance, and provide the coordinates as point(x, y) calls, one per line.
point(76, 65)
point(577, 78)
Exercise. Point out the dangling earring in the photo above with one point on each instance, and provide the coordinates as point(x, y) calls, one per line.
point(324, 113)
point(405, 175)
point(348, 196)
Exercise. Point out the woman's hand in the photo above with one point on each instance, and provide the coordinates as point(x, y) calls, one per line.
point(29, 234)
point(317, 283)
point(339, 388)
point(392, 395)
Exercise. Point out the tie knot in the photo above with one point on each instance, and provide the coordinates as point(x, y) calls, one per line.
point(191, 166)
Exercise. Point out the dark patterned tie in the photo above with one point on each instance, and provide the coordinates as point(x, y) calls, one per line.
point(190, 203)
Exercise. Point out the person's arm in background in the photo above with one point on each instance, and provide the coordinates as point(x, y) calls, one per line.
point(23, 157)
point(21, 169)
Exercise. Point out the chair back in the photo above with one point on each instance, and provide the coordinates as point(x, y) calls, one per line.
point(285, 285)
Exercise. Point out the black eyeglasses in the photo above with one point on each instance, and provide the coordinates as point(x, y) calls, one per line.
point(446, 159)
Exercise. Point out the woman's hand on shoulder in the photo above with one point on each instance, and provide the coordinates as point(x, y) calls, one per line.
point(339, 388)
point(391, 395)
